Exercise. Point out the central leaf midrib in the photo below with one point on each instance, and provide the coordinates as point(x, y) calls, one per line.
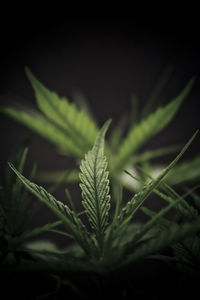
point(99, 231)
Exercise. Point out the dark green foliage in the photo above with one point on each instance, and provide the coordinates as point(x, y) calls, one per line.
point(148, 128)
point(103, 246)
point(73, 131)
point(113, 240)
point(186, 252)
point(16, 211)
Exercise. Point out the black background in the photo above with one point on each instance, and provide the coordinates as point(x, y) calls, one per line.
point(108, 57)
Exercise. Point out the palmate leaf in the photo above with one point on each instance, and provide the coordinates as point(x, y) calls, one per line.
point(147, 128)
point(134, 204)
point(78, 127)
point(95, 186)
point(69, 218)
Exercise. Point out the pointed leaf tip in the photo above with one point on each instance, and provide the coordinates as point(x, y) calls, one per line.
point(95, 186)
point(100, 137)
point(10, 165)
point(193, 79)
point(105, 126)
point(29, 74)
point(27, 71)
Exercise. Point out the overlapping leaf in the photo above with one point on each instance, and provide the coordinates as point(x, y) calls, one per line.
point(62, 211)
point(132, 206)
point(77, 126)
point(171, 235)
point(45, 128)
point(149, 127)
point(36, 231)
point(72, 130)
point(188, 171)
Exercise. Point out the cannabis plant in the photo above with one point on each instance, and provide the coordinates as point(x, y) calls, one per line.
point(104, 246)
point(105, 237)
point(74, 131)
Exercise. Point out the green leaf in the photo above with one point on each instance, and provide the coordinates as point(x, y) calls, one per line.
point(162, 222)
point(186, 211)
point(154, 220)
point(132, 206)
point(117, 133)
point(151, 154)
point(42, 249)
point(17, 186)
point(158, 88)
point(167, 237)
point(149, 127)
point(44, 127)
point(63, 233)
point(188, 250)
point(78, 127)
point(36, 231)
point(95, 186)
point(185, 172)
point(14, 201)
point(69, 218)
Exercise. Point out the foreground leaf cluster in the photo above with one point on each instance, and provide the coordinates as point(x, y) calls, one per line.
point(105, 238)
point(73, 131)
point(102, 245)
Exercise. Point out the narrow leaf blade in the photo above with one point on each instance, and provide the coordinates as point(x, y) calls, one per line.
point(79, 127)
point(43, 127)
point(149, 127)
point(68, 217)
point(95, 185)
point(168, 237)
point(133, 205)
